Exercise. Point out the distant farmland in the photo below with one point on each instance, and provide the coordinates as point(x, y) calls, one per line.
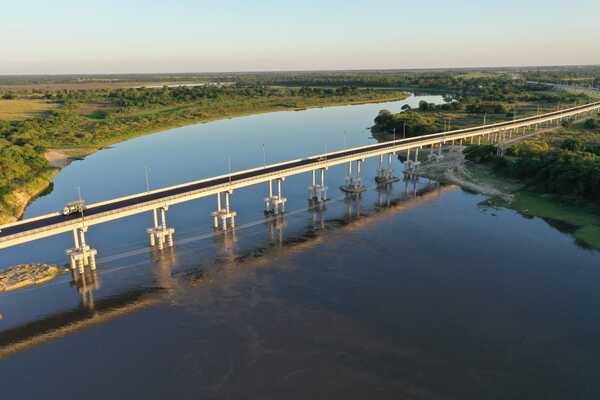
point(23, 108)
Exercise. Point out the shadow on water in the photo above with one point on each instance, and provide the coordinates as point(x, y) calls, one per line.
point(167, 282)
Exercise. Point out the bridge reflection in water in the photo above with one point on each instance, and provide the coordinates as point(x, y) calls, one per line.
point(93, 312)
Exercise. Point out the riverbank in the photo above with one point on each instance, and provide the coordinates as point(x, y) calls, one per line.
point(577, 218)
point(14, 203)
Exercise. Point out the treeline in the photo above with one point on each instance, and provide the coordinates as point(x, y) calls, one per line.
point(96, 117)
point(425, 119)
point(18, 164)
point(126, 98)
point(405, 124)
point(579, 76)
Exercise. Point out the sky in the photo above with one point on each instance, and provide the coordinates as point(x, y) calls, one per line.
point(128, 36)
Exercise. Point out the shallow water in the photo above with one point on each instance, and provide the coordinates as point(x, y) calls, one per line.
point(390, 296)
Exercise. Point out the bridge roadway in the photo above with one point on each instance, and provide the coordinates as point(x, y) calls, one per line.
point(55, 223)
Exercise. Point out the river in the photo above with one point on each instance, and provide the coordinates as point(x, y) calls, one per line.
point(426, 297)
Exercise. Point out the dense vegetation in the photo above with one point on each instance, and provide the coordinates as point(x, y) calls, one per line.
point(89, 119)
point(113, 108)
point(565, 163)
point(498, 99)
point(580, 76)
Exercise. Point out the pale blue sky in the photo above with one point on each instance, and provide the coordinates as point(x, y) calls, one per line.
point(110, 36)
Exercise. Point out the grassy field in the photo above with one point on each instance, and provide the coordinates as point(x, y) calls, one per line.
point(582, 221)
point(19, 109)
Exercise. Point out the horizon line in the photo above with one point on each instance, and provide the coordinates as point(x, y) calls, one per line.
point(240, 72)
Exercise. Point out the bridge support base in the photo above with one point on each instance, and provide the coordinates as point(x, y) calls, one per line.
point(224, 217)
point(81, 255)
point(275, 204)
point(317, 192)
point(411, 166)
point(160, 235)
point(385, 172)
point(354, 183)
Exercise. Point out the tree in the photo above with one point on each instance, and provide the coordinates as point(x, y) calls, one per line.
point(590, 124)
point(481, 153)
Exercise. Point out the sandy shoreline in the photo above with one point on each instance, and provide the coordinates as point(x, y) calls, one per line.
point(57, 158)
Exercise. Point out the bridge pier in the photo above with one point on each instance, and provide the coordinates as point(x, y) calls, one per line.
point(317, 192)
point(81, 255)
point(275, 204)
point(223, 216)
point(354, 182)
point(410, 166)
point(385, 173)
point(160, 234)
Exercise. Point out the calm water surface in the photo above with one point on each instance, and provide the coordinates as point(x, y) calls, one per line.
point(390, 296)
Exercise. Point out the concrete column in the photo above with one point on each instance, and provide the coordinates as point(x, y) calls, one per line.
point(82, 237)
point(279, 188)
point(92, 261)
point(76, 238)
point(228, 208)
point(216, 214)
point(163, 218)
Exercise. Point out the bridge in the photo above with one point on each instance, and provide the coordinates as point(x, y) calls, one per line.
point(222, 187)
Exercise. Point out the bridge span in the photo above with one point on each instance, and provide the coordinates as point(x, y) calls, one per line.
point(158, 201)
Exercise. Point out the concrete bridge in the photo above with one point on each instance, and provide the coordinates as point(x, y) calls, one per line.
point(222, 187)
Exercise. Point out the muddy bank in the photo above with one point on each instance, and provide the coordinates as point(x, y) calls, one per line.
point(452, 167)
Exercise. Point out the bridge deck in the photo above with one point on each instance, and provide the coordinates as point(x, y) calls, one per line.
point(50, 224)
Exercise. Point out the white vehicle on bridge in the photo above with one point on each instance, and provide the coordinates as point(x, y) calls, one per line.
point(73, 207)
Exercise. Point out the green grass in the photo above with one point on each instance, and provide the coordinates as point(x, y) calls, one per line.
point(585, 219)
point(589, 235)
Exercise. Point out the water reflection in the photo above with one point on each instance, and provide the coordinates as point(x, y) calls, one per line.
point(168, 284)
point(86, 283)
